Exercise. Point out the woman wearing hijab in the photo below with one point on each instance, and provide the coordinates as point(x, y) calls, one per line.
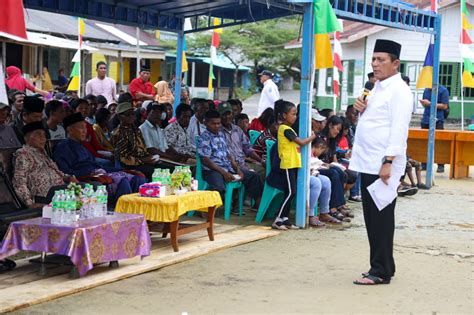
point(16, 81)
point(163, 93)
point(47, 83)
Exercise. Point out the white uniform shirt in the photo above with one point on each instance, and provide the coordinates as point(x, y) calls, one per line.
point(382, 129)
point(269, 96)
point(105, 87)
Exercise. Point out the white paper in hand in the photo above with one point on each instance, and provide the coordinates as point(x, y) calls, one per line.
point(383, 194)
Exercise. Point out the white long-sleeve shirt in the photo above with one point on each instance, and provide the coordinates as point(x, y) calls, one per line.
point(105, 87)
point(269, 96)
point(382, 129)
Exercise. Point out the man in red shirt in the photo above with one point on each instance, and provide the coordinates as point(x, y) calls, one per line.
point(140, 88)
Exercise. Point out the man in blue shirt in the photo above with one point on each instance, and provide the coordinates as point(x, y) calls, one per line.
point(441, 107)
point(219, 166)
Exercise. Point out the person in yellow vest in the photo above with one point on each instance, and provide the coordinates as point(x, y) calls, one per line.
point(289, 152)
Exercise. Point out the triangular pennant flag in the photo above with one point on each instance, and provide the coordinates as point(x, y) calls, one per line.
point(77, 57)
point(217, 22)
point(425, 79)
point(74, 84)
point(82, 26)
point(464, 9)
point(465, 39)
point(323, 51)
point(468, 66)
point(467, 79)
point(12, 19)
point(466, 52)
point(75, 70)
point(465, 23)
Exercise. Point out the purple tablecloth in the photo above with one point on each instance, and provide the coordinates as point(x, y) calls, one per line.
point(114, 237)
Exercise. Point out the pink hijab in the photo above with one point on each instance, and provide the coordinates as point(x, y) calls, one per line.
point(16, 81)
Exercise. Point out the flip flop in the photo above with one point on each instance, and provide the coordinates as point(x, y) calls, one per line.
point(375, 281)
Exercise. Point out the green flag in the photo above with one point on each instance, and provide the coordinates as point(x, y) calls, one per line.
point(325, 20)
point(75, 70)
point(464, 8)
point(468, 66)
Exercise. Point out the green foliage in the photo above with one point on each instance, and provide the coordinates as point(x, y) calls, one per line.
point(261, 43)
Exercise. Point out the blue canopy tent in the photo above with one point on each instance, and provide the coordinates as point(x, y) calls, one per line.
point(170, 15)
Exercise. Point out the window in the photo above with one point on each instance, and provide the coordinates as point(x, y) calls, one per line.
point(449, 77)
point(350, 77)
point(329, 80)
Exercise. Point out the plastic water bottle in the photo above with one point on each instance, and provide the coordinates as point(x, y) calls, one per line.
point(55, 207)
point(103, 200)
point(99, 201)
point(60, 208)
point(86, 192)
point(71, 207)
point(156, 174)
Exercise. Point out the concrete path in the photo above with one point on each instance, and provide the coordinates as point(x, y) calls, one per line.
point(311, 271)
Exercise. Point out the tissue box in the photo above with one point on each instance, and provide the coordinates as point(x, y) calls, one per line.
point(150, 190)
point(47, 212)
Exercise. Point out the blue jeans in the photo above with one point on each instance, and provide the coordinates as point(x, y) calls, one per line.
point(336, 177)
point(355, 190)
point(319, 189)
point(104, 163)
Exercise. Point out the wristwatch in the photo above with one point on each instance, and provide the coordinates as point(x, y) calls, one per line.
point(386, 161)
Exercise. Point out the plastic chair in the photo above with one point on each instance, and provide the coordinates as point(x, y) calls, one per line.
point(253, 135)
point(229, 190)
point(271, 197)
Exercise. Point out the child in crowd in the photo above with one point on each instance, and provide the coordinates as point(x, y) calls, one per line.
point(289, 151)
point(318, 147)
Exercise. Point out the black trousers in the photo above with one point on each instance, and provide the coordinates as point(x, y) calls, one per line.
point(290, 192)
point(380, 227)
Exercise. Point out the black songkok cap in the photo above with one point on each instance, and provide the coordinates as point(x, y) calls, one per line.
point(37, 125)
point(145, 68)
point(388, 46)
point(72, 119)
point(33, 104)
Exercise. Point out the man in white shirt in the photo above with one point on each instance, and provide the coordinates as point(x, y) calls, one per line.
point(270, 92)
point(196, 124)
point(379, 152)
point(102, 85)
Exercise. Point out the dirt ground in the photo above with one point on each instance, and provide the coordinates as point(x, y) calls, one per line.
point(311, 271)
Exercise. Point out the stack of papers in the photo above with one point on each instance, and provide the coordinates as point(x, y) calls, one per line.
point(384, 194)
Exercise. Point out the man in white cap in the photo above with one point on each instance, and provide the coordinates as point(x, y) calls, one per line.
point(270, 92)
point(379, 155)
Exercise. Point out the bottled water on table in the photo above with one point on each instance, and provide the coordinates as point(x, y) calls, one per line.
point(100, 202)
point(69, 208)
point(86, 201)
point(60, 208)
point(55, 208)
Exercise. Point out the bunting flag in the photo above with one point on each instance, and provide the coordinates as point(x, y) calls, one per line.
point(12, 20)
point(434, 5)
point(74, 77)
point(337, 64)
point(466, 53)
point(425, 79)
point(215, 42)
point(325, 22)
point(184, 61)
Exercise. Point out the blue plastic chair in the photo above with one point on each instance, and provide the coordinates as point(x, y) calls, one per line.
point(229, 190)
point(253, 135)
point(272, 198)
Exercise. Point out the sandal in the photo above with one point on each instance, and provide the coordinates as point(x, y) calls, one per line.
point(330, 220)
point(316, 223)
point(336, 215)
point(346, 213)
point(371, 280)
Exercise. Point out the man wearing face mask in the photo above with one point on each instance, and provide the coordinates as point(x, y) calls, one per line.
point(154, 136)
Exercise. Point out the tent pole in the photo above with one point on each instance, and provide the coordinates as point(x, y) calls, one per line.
point(179, 68)
point(434, 102)
point(307, 65)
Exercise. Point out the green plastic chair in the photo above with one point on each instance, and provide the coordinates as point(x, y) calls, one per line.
point(253, 135)
point(229, 189)
point(272, 198)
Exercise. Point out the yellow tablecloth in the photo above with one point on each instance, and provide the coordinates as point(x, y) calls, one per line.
point(170, 208)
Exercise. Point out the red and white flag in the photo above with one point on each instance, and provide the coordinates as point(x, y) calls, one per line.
point(434, 6)
point(12, 20)
point(337, 64)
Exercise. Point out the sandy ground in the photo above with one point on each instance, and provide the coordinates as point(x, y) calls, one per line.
point(311, 271)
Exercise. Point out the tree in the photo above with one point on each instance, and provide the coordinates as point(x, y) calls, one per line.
point(262, 43)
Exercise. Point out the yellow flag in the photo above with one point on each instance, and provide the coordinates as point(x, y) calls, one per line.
point(465, 24)
point(74, 84)
point(323, 53)
point(184, 63)
point(81, 26)
point(467, 80)
point(217, 22)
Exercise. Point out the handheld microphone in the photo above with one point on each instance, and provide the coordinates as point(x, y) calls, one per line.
point(367, 88)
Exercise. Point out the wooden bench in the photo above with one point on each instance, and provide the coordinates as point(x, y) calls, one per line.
point(464, 153)
point(445, 143)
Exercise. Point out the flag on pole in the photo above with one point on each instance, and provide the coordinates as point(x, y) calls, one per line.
point(434, 5)
point(12, 20)
point(466, 53)
point(425, 79)
point(337, 64)
point(215, 42)
point(325, 22)
point(184, 62)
